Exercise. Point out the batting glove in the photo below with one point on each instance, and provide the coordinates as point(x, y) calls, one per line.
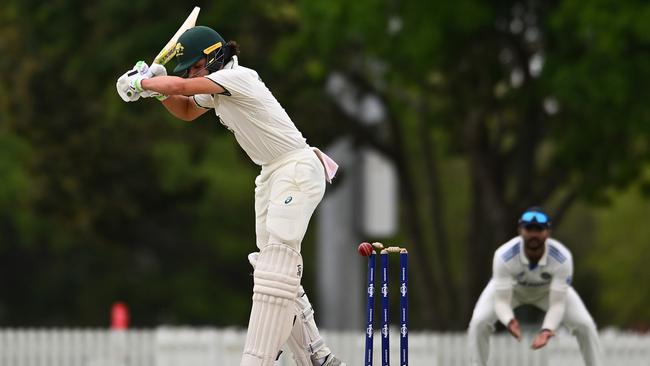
point(157, 70)
point(125, 87)
point(152, 71)
point(129, 84)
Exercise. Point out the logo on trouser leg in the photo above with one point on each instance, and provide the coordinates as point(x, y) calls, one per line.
point(288, 200)
point(299, 272)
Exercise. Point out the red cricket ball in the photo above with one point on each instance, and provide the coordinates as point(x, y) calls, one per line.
point(365, 249)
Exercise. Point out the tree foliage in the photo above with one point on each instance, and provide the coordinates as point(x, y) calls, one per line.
point(486, 108)
point(103, 201)
point(543, 101)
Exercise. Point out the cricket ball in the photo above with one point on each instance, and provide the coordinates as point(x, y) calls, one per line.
point(365, 249)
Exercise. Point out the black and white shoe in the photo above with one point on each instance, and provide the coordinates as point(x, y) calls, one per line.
point(331, 360)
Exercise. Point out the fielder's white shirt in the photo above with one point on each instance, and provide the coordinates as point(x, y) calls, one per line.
point(530, 282)
point(260, 125)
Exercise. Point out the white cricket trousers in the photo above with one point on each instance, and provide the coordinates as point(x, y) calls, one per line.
point(287, 192)
point(576, 319)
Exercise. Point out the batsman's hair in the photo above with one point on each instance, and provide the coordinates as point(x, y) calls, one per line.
point(231, 49)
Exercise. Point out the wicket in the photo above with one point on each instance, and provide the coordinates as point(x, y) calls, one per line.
point(370, 315)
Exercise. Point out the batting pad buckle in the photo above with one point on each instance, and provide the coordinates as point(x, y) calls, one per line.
point(315, 346)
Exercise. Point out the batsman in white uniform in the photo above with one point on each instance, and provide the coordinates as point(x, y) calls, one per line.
point(533, 269)
point(288, 189)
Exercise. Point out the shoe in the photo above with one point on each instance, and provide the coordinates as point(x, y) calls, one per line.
point(331, 360)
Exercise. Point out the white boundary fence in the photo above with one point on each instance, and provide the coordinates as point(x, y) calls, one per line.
point(222, 347)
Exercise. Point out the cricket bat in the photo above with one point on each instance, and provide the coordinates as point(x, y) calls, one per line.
point(169, 51)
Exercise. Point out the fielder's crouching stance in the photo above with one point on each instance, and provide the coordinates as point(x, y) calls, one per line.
point(287, 191)
point(534, 269)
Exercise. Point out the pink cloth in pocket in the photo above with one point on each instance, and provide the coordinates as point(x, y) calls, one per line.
point(328, 163)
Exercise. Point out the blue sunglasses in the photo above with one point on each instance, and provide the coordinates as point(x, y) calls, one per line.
point(534, 217)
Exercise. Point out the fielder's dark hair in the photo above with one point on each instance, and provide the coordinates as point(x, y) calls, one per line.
point(536, 209)
point(231, 49)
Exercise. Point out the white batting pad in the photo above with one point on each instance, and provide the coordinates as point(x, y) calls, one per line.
point(295, 343)
point(276, 281)
point(311, 340)
point(305, 340)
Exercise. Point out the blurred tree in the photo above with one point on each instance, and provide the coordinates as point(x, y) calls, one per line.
point(485, 108)
point(544, 101)
point(104, 201)
point(619, 259)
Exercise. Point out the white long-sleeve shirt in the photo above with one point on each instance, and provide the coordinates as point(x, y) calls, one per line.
point(248, 108)
point(514, 275)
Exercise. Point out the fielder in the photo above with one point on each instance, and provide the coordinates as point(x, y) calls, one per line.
point(287, 191)
point(534, 269)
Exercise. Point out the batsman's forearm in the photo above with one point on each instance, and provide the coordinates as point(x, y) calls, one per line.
point(183, 107)
point(177, 106)
point(166, 85)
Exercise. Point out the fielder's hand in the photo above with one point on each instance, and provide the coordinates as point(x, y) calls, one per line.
point(513, 328)
point(542, 338)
